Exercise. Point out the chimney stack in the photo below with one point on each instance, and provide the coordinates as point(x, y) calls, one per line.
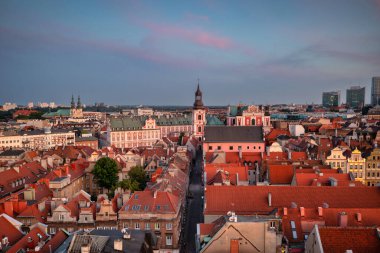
point(343, 219)
point(269, 199)
point(320, 211)
point(302, 211)
point(285, 211)
point(359, 217)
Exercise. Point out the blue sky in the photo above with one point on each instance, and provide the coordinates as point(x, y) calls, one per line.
point(152, 52)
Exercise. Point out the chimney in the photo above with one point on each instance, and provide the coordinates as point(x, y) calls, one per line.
point(234, 246)
point(342, 219)
point(302, 211)
point(155, 194)
point(285, 211)
point(269, 199)
point(240, 154)
point(289, 154)
point(320, 211)
point(118, 244)
point(359, 217)
point(333, 182)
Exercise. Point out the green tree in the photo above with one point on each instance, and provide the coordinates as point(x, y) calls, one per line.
point(105, 172)
point(137, 174)
point(128, 184)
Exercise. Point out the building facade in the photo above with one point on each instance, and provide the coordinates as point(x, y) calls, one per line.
point(356, 164)
point(337, 160)
point(251, 115)
point(375, 91)
point(372, 172)
point(331, 98)
point(38, 139)
point(355, 97)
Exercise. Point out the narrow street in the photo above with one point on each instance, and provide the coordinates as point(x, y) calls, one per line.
point(194, 213)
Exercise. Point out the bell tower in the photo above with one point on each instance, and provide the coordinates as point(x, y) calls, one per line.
point(199, 115)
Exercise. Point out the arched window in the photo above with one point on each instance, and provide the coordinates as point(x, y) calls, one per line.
point(199, 117)
point(253, 122)
point(199, 129)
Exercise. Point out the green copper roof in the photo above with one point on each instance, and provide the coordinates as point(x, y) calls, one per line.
point(213, 121)
point(60, 112)
point(136, 123)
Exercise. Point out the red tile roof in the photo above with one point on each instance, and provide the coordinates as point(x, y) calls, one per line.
point(23, 243)
point(308, 179)
point(336, 239)
point(55, 242)
point(248, 199)
point(281, 174)
point(165, 202)
point(275, 133)
point(232, 169)
point(9, 230)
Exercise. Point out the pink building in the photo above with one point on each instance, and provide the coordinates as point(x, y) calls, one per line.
point(233, 139)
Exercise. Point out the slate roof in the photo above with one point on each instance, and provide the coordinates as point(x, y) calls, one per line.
point(12, 152)
point(233, 134)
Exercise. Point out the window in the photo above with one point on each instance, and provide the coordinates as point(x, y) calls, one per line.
point(272, 224)
point(209, 147)
point(52, 231)
point(157, 226)
point(231, 148)
point(294, 231)
point(169, 240)
point(169, 226)
point(199, 117)
point(137, 225)
point(199, 129)
point(61, 217)
point(147, 226)
point(219, 147)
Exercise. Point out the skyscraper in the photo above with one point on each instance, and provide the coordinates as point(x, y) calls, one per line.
point(355, 97)
point(375, 91)
point(331, 98)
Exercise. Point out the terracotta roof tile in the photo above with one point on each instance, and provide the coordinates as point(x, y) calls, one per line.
point(248, 199)
point(337, 239)
point(281, 174)
point(9, 230)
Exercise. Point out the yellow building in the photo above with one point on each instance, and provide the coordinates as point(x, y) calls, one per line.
point(372, 173)
point(356, 164)
point(336, 159)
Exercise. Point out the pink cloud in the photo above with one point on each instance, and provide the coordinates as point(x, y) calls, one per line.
point(74, 42)
point(195, 36)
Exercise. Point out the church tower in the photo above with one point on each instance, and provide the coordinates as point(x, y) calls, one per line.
point(199, 115)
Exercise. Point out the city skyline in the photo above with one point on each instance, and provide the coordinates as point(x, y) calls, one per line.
point(146, 53)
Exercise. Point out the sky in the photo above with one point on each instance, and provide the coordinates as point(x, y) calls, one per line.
point(153, 52)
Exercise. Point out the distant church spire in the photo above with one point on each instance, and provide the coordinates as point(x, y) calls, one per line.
point(72, 102)
point(79, 104)
point(198, 103)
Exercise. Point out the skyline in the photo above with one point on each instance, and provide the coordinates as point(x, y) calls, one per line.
point(144, 53)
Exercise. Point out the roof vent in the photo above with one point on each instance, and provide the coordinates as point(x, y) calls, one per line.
point(325, 205)
point(293, 205)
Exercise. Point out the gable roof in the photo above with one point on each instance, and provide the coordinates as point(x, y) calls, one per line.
point(9, 230)
point(233, 134)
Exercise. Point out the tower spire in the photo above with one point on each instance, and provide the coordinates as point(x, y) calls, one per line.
point(72, 102)
point(79, 104)
point(198, 103)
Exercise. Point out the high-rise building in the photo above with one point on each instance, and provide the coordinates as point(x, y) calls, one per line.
point(355, 97)
point(375, 91)
point(331, 98)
